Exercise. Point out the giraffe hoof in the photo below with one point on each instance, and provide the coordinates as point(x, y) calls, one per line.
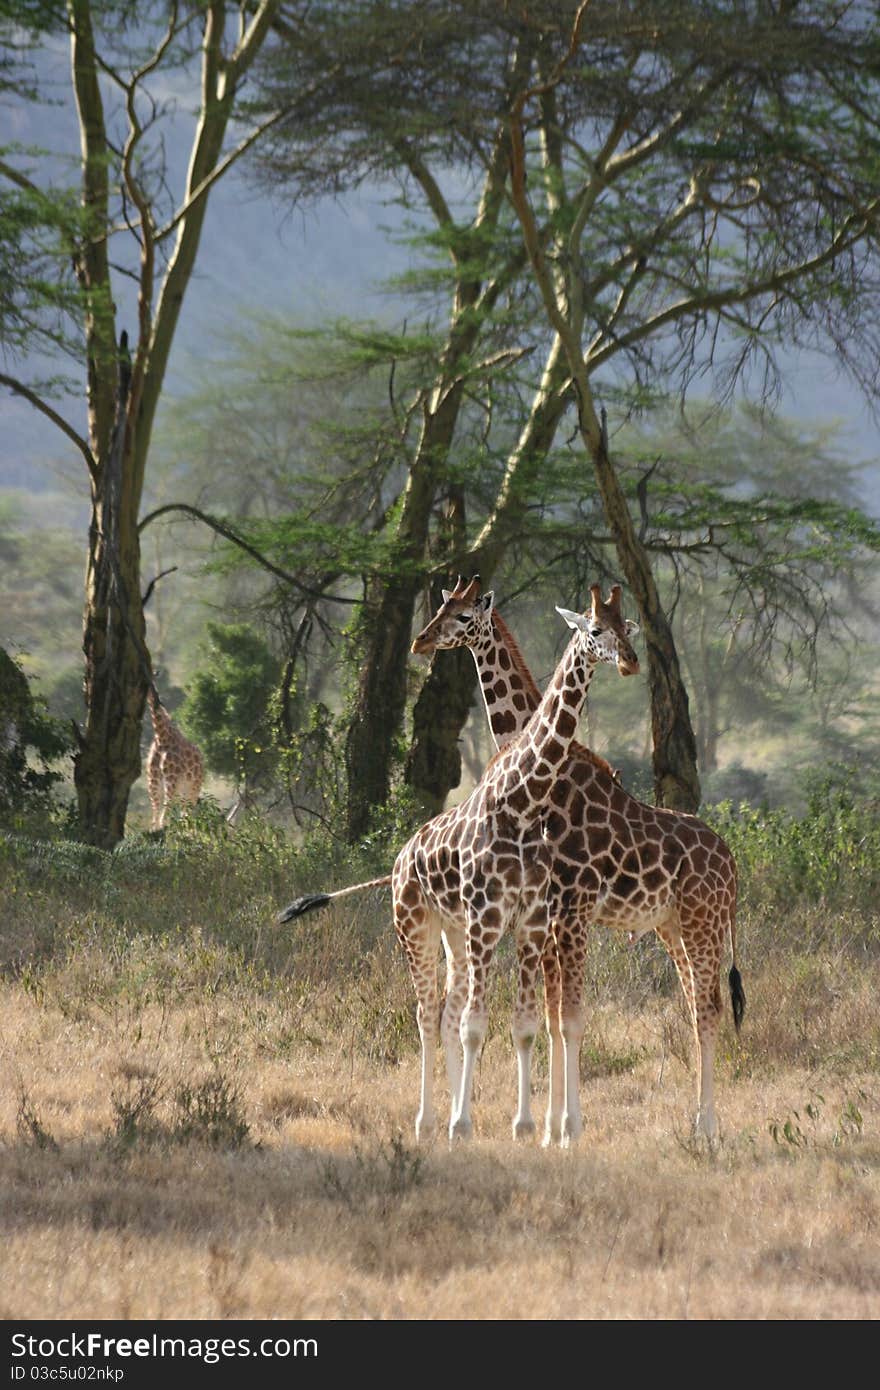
point(705, 1139)
point(425, 1130)
point(460, 1130)
point(523, 1129)
point(552, 1136)
point(705, 1135)
point(571, 1133)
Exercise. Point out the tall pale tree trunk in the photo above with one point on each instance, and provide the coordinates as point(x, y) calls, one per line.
point(384, 627)
point(560, 280)
point(674, 755)
point(433, 766)
point(122, 396)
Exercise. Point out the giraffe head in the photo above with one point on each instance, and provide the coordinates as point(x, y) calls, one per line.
point(462, 619)
point(605, 632)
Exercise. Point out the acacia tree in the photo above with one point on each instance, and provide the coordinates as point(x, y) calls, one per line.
point(761, 550)
point(402, 70)
point(707, 178)
point(716, 196)
point(126, 224)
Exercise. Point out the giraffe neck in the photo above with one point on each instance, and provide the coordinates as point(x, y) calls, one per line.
point(509, 692)
point(161, 721)
point(529, 770)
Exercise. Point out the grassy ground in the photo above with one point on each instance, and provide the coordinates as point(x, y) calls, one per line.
point(203, 1116)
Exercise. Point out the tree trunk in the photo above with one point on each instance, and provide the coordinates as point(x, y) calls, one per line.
point(380, 702)
point(108, 762)
point(118, 667)
point(433, 765)
point(117, 662)
point(676, 781)
point(384, 625)
point(561, 282)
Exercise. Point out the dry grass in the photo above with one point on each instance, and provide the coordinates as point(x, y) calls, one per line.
point(203, 1117)
point(326, 1209)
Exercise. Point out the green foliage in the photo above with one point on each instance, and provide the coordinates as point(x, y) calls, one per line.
point(830, 853)
point(227, 710)
point(29, 735)
point(37, 230)
point(311, 764)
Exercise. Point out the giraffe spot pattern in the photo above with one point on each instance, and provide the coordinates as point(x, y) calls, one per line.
point(606, 854)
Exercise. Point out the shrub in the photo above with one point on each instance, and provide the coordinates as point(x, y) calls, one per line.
point(830, 853)
point(30, 741)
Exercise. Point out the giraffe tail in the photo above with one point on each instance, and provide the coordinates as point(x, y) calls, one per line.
point(737, 996)
point(734, 979)
point(310, 902)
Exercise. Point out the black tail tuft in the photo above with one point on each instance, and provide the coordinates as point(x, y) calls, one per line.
point(737, 996)
point(308, 903)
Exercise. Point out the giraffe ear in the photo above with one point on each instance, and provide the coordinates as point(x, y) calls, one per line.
point(631, 627)
point(447, 594)
point(488, 600)
point(575, 620)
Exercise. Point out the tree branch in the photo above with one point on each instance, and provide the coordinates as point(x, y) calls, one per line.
point(723, 297)
point(251, 42)
point(19, 388)
point(22, 180)
point(429, 186)
point(228, 534)
point(148, 592)
point(216, 173)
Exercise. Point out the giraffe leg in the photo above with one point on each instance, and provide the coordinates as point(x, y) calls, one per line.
point(697, 967)
point(572, 1023)
point(552, 1006)
point(454, 1004)
point(706, 963)
point(531, 939)
point(474, 1019)
point(418, 931)
point(155, 786)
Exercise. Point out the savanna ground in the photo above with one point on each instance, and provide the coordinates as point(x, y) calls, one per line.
point(203, 1115)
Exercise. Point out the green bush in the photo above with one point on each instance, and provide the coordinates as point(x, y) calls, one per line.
point(831, 853)
point(31, 740)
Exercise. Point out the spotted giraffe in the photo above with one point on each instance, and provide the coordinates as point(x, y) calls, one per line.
point(615, 860)
point(484, 866)
point(175, 768)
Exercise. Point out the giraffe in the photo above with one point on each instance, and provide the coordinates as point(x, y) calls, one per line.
point(482, 866)
point(175, 768)
point(615, 860)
